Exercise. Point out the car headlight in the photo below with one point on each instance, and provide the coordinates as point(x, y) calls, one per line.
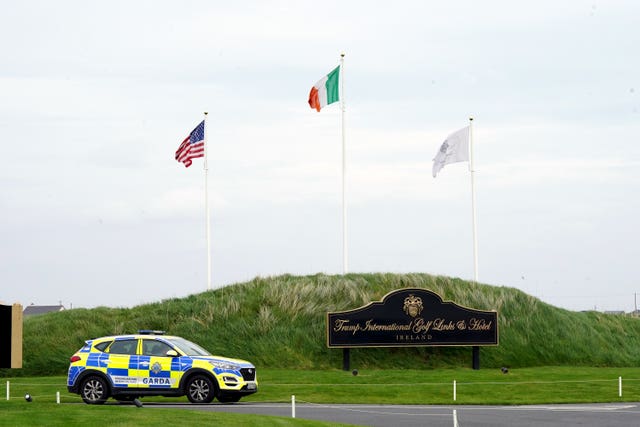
point(224, 365)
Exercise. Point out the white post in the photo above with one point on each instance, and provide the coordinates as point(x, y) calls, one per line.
point(345, 268)
point(8, 394)
point(473, 202)
point(293, 406)
point(58, 397)
point(206, 202)
point(454, 390)
point(619, 386)
point(455, 418)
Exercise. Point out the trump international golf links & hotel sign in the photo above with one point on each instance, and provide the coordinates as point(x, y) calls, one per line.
point(412, 317)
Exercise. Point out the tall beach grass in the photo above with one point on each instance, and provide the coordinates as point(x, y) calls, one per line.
point(280, 322)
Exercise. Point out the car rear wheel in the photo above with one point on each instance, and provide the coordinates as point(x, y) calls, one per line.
point(200, 389)
point(94, 390)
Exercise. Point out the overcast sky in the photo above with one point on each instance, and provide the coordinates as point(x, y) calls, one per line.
point(95, 98)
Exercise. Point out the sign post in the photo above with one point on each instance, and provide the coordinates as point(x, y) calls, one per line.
point(346, 359)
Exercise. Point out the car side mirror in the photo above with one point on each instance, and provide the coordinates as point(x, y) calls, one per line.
point(172, 353)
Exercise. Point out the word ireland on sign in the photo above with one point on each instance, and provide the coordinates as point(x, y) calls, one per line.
point(412, 317)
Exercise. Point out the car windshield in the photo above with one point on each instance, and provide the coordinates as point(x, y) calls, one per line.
point(188, 348)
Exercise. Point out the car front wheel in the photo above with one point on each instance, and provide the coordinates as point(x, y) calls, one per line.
point(94, 390)
point(200, 389)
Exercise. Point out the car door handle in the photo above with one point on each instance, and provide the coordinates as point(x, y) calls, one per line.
point(144, 363)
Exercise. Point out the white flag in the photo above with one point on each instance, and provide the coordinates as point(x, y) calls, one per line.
point(454, 149)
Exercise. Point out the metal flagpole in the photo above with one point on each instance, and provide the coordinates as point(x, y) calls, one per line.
point(344, 204)
point(206, 202)
point(473, 202)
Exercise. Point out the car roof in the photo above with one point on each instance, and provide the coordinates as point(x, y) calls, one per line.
point(133, 336)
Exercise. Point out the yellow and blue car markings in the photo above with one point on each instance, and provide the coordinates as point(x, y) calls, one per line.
point(154, 372)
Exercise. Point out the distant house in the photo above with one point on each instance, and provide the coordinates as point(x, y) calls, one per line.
point(32, 309)
point(615, 312)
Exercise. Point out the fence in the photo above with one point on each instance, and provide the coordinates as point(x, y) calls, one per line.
point(458, 393)
point(50, 391)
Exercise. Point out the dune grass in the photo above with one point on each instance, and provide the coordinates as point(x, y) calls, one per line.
point(279, 322)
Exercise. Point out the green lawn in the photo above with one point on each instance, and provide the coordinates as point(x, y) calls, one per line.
point(41, 412)
point(486, 386)
point(427, 387)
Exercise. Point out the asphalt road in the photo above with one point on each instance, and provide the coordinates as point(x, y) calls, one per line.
point(595, 415)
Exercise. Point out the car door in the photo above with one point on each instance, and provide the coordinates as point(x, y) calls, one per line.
point(154, 365)
point(122, 362)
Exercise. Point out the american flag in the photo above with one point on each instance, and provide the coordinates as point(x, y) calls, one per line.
point(192, 147)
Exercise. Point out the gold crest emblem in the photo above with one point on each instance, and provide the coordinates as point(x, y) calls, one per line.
point(413, 305)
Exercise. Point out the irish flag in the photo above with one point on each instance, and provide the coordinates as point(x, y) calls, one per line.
point(326, 91)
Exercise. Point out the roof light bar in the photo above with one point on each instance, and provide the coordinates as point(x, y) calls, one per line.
point(150, 332)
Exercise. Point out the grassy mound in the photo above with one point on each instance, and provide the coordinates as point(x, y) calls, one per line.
point(280, 322)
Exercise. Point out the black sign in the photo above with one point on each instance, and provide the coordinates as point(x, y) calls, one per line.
point(5, 336)
point(412, 317)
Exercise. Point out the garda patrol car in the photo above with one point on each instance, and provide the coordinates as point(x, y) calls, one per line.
point(152, 364)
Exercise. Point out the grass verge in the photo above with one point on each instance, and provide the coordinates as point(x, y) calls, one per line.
point(40, 413)
point(486, 386)
point(416, 387)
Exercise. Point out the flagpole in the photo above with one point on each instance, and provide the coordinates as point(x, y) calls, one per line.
point(473, 202)
point(344, 168)
point(206, 202)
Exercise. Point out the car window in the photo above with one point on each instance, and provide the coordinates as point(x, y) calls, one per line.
point(188, 348)
point(102, 345)
point(124, 347)
point(154, 348)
